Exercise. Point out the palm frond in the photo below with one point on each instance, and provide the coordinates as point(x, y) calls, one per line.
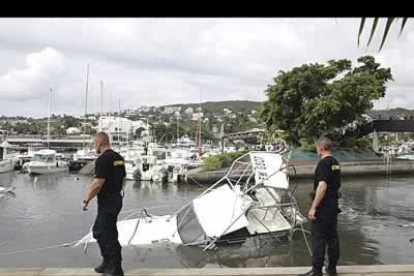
point(387, 28)
point(403, 25)
point(361, 27)
point(374, 26)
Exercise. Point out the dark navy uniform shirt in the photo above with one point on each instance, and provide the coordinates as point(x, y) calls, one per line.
point(328, 170)
point(111, 167)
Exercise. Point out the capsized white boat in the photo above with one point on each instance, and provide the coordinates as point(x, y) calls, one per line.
point(4, 190)
point(46, 161)
point(253, 198)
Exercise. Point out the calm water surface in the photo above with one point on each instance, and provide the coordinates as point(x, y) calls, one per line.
point(375, 226)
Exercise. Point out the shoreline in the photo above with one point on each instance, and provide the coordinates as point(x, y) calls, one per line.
point(305, 170)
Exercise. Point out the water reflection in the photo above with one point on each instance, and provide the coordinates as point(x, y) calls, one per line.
point(6, 179)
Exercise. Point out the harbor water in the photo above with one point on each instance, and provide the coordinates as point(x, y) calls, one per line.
point(375, 226)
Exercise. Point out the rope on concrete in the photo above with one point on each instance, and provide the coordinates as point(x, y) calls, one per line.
point(40, 248)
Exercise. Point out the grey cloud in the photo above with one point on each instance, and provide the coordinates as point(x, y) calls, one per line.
point(164, 61)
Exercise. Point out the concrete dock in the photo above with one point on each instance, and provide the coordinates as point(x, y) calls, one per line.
point(306, 170)
point(371, 270)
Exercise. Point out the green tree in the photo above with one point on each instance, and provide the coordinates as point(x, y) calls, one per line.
point(316, 98)
point(70, 121)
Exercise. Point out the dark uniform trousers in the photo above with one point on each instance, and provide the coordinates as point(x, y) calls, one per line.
point(105, 231)
point(324, 234)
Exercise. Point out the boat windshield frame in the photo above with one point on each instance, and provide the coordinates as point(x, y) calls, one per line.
point(46, 158)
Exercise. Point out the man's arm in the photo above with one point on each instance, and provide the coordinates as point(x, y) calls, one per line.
point(92, 191)
point(320, 193)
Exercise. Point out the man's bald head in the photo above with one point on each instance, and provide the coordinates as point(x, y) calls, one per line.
point(101, 141)
point(323, 146)
point(325, 143)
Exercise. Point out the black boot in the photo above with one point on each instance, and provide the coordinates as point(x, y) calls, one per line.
point(313, 272)
point(103, 267)
point(114, 271)
point(331, 270)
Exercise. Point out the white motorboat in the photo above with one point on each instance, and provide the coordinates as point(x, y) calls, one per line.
point(258, 202)
point(7, 163)
point(158, 165)
point(46, 161)
point(145, 168)
point(86, 155)
point(407, 156)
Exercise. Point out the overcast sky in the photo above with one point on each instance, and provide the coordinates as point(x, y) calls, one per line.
point(165, 61)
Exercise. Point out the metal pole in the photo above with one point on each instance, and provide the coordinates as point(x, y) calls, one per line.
point(199, 118)
point(86, 107)
point(101, 98)
point(119, 114)
point(178, 127)
point(48, 121)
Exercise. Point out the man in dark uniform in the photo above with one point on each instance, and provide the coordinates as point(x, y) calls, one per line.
point(324, 210)
point(107, 185)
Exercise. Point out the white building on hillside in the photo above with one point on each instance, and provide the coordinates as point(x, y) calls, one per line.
point(171, 109)
point(120, 127)
point(189, 111)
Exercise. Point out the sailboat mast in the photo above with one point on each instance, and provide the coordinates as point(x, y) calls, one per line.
point(48, 121)
point(178, 127)
point(86, 106)
point(101, 98)
point(199, 121)
point(119, 121)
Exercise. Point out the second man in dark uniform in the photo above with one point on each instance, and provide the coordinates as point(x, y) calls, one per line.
point(107, 185)
point(324, 210)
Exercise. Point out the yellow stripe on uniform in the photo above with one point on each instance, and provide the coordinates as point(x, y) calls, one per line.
point(118, 163)
point(336, 167)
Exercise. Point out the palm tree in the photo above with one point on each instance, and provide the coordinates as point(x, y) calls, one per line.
point(390, 21)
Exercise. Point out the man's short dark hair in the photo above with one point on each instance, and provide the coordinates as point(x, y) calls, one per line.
point(325, 142)
point(103, 138)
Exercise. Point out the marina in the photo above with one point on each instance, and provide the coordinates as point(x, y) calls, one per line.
point(219, 146)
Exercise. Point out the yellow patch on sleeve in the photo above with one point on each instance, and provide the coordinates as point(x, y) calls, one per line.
point(336, 167)
point(118, 163)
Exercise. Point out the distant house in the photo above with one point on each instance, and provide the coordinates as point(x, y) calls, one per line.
point(73, 131)
point(189, 111)
point(197, 116)
point(254, 112)
point(144, 109)
point(253, 120)
point(227, 112)
point(171, 109)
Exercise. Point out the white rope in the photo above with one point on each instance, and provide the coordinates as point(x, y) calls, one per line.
point(198, 183)
point(40, 248)
point(306, 240)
